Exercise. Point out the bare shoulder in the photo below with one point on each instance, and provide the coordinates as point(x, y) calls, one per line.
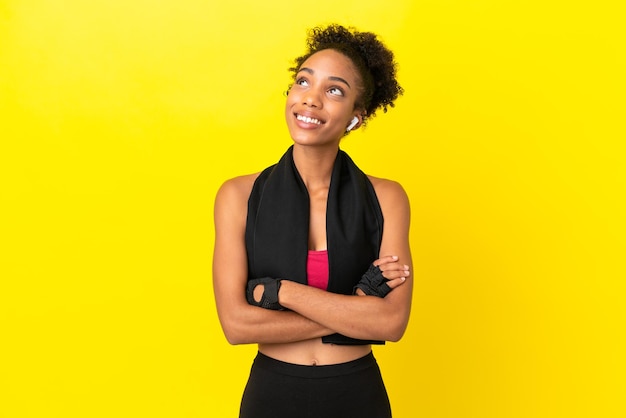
point(237, 188)
point(232, 197)
point(390, 193)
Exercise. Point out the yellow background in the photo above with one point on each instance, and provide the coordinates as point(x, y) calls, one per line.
point(120, 119)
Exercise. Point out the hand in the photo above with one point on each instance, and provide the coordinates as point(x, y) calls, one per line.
point(384, 275)
point(267, 296)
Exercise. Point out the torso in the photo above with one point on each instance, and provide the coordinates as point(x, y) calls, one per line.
point(310, 352)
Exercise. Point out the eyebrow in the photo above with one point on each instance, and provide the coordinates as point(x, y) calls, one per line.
point(310, 71)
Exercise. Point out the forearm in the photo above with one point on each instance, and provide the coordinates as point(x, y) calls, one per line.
point(251, 324)
point(362, 317)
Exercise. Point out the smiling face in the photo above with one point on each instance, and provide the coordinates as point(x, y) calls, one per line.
point(321, 102)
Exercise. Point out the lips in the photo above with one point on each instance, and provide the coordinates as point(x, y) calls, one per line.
point(308, 119)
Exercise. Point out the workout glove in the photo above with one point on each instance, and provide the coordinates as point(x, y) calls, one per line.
point(269, 299)
point(373, 283)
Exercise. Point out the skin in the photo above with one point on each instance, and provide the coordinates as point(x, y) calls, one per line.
point(326, 89)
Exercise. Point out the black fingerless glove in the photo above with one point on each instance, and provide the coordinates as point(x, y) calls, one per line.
point(373, 283)
point(269, 299)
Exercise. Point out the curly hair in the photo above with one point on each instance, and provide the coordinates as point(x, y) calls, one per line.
point(373, 60)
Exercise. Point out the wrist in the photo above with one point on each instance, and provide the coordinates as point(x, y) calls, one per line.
point(283, 292)
point(263, 292)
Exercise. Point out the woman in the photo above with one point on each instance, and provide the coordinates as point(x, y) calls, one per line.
point(312, 257)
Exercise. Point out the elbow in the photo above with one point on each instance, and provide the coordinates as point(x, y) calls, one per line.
point(236, 325)
point(237, 338)
point(394, 330)
point(232, 337)
point(233, 333)
point(395, 335)
point(384, 332)
point(392, 334)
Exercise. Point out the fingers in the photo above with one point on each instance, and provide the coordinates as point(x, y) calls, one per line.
point(391, 283)
point(396, 282)
point(385, 260)
point(396, 272)
point(391, 268)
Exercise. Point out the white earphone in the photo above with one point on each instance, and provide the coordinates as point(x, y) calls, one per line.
point(353, 123)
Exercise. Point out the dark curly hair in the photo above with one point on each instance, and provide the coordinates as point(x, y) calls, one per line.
point(373, 60)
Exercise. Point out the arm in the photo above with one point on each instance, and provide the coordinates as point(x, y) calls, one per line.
point(241, 322)
point(366, 317)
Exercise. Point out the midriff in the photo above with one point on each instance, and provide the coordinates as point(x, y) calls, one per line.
point(313, 352)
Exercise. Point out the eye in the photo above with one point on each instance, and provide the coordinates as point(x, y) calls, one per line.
point(302, 82)
point(336, 91)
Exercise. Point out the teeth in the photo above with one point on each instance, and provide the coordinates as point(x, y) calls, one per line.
point(308, 119)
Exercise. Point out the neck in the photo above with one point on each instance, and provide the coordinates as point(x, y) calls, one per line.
point(315, 164)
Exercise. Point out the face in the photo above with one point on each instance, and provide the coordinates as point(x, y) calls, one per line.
point(320, 104)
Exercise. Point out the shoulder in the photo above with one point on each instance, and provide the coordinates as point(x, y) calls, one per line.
point(389, 192)
point(235, 192)
point(394, 203)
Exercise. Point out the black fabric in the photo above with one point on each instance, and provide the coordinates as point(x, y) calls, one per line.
point(276, 389)
point(269, 298)
point(277, 228)
point(373, 283)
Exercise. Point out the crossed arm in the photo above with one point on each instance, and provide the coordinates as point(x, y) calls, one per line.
point(312, 313)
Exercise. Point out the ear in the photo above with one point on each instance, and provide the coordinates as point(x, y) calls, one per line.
point(361, 116)
point(354, 123)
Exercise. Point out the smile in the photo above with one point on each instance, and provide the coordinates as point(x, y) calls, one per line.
point(308, 119)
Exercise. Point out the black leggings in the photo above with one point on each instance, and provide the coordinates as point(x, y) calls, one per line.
point(277, 389)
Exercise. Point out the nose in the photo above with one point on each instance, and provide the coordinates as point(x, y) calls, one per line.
point(312, 98)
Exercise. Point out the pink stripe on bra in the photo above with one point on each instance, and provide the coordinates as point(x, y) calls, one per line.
point(317, 269)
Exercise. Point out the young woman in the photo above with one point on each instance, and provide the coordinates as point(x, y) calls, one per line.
point(312, 258)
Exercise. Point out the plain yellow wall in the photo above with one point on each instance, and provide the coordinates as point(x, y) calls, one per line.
point(120, 119)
